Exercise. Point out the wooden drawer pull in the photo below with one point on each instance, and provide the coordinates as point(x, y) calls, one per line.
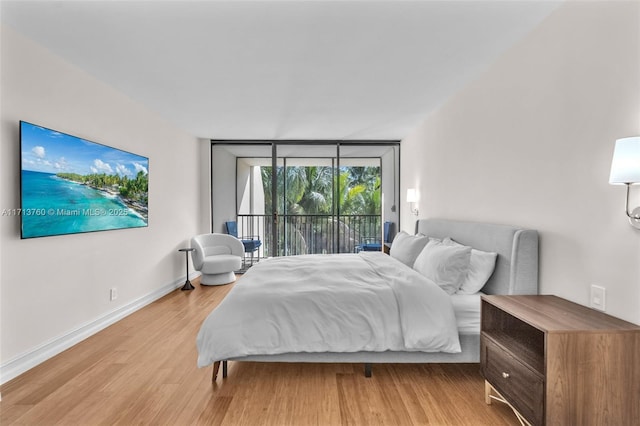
point(505, 375)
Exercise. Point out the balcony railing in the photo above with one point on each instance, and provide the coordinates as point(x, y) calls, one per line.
point(311, 234)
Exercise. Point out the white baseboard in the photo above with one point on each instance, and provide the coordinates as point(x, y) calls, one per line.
point(43, 352)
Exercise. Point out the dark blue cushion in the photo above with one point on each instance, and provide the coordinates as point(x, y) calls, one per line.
point(251, 245)
point(371, 247)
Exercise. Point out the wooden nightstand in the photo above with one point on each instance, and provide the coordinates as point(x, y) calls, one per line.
point(559, 363)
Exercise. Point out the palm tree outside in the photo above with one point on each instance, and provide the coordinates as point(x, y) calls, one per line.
point(323, 209)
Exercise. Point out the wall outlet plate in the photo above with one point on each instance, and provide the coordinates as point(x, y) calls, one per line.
point(113, 294)
point(598, 297)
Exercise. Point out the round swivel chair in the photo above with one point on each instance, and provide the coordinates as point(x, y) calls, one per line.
point(217, 256)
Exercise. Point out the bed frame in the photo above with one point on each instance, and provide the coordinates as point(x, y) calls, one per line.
point(516, 272)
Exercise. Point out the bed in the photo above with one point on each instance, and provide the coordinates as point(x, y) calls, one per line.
point(515, 272)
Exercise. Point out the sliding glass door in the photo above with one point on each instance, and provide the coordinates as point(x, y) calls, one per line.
point(306, 194)
point(312, 197)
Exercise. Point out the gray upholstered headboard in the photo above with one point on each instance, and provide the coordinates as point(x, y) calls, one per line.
point(516, 269)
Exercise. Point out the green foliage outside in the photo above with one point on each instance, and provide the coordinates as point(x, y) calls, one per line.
point(310, 190)
point(310, 198)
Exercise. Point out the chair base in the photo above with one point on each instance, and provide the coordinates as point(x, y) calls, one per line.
point(217, 279)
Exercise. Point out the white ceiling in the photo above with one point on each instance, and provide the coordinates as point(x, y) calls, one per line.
point(281, 69)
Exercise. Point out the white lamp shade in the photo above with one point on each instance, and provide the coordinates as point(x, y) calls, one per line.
point(625, 166)
point(412, 195)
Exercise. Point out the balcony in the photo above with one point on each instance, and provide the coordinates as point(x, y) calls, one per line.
point(310, 234)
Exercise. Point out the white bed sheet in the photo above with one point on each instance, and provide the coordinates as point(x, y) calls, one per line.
point(329, 303)
point(467, 310)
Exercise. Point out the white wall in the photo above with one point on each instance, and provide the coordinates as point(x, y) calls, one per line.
point(204, 184)
point(55, 289)
point(243, 187)
point(223, 184)
point(390, 176)
point(530, 143)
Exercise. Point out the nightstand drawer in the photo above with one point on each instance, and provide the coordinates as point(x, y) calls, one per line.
point(521, 386)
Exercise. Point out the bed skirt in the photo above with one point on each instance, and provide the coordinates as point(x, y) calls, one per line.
point(470, 344)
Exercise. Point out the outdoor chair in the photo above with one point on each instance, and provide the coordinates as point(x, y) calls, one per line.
point(251, 243)
point(374, 244)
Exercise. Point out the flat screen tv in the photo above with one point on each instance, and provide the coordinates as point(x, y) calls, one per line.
point(70, 185)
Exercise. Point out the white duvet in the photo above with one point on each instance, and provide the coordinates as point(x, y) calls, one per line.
point(329, 303)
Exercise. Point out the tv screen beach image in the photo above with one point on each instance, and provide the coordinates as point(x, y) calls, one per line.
point(71, 185)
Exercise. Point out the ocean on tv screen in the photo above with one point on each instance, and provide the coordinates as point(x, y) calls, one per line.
point(54, 206)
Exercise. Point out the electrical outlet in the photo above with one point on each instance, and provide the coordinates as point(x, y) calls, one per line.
point(113, 294)
point(598, 297)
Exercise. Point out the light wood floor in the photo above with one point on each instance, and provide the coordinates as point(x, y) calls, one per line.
point(142, 370)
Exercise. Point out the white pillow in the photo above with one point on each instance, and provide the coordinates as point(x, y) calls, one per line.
point(481, 267)
point(446, 265)
point(406, 248)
